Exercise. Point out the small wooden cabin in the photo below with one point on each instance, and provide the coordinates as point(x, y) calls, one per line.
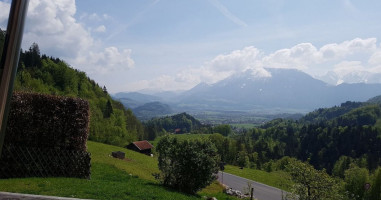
point(141, 146)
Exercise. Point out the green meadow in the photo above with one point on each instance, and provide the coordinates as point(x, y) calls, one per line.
point(111, 178)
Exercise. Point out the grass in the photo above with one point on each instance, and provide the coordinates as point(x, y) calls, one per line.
point(135, 163)
point(110, 179)
point(278, 179)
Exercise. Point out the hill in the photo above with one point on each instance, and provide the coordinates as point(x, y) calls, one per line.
point(179, 123)
point(323, 137)
point(134, 99)
point(152, 109)
point(285, 89)
point(110, 122)
point(376, 99)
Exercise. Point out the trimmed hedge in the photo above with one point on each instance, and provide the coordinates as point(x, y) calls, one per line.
point(46, 136)
point(46, 121)
point(20, 162)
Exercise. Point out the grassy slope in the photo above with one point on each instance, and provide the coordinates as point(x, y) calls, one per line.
point(110, 179)
point(276, 179)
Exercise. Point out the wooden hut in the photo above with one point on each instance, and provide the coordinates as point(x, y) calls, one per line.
point(141, 146)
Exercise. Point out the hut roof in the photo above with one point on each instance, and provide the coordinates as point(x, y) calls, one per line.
point(143, 145)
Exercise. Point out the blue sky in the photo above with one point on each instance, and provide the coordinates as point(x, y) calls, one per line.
point(131, 45)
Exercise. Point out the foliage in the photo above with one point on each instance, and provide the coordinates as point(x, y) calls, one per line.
point(109, 123)
point(223, 129)
point(341, 166)
point(187, 165)
point(45, 121)
point(311, 184)
point(355, 179)
point(324, 114)
point(355, 134)
point(242, 159)
point(375, 190)
point(179, 123)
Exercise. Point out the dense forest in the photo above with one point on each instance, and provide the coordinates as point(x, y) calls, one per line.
point(325, 138)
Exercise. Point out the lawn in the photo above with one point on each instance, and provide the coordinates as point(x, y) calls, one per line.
point(278, 179)
point(110, 179)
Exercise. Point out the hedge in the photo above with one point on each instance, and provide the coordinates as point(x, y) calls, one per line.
point(46, 121)
point(46, 136)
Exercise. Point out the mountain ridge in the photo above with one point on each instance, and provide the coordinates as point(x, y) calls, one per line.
point(285, 89)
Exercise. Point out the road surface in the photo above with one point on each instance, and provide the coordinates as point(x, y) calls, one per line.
point(261, 191)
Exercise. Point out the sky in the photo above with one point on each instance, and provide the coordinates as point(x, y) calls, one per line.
point(161, 45)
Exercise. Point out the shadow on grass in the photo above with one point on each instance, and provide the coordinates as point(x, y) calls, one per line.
point(168, 189)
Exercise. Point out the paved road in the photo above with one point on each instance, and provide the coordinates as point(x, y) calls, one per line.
point(261, 191)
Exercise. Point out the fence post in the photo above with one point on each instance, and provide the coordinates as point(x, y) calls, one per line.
point(9, 60)
point(252, 193)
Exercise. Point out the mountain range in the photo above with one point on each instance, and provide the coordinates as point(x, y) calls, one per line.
point(286, 90)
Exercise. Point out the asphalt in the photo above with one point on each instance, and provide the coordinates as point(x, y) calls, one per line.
point(261, 191)
point(17, 196)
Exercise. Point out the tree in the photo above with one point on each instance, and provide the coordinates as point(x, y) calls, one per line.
point(375, 189)
point(355, 179)
point(108, 110)
point(311, 184)
point(223, 129)
point(243, 159)
point(187, 165)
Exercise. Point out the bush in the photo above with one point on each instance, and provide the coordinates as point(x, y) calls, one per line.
point(187, 165)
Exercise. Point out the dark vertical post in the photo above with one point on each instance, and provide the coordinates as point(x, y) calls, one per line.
point(10, 58)
point(252, 193)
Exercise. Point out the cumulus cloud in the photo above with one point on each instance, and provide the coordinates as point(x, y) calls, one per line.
point(352, 61)
point(109, 60)
point(52, 25)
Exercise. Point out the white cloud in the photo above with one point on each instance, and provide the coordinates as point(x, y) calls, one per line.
point(4, 12)
point(351, 61)
point(109, 60)
point(299, 57)
point(94, 17)
point(375, 59)
point(100, 29)
point(53, 26)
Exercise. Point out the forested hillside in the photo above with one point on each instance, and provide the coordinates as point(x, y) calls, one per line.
point(324, 137)
point(180, 123)
point(110, 122)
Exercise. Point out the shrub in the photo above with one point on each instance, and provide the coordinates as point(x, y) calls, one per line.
point(187, 165)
